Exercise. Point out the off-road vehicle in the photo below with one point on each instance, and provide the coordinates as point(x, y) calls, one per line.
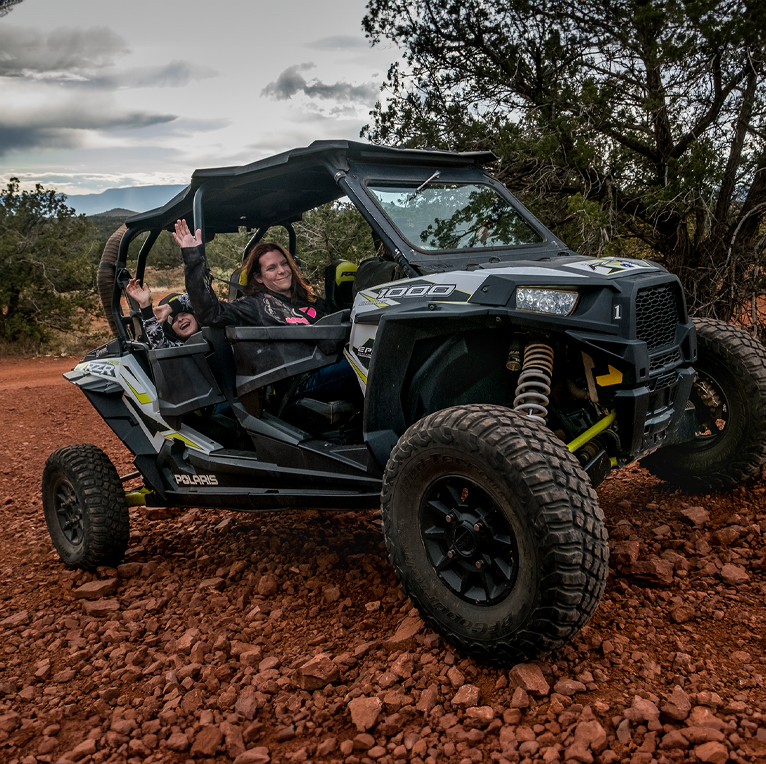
point(503, 378)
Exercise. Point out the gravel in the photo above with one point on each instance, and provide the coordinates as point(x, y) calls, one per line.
point(285, 637)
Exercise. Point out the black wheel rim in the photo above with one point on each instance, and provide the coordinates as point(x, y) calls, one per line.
point(69, 512)
point(711, 408)
point(468, 540)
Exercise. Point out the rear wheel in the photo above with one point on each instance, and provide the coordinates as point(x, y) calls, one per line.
point(85, 507)
point(494, 532)
point(729, 399)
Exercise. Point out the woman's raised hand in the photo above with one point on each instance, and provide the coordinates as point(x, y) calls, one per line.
point(184, 236)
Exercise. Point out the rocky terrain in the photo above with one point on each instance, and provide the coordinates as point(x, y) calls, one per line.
point(239, 638)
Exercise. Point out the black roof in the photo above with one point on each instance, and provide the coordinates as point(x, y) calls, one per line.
point(279, 189)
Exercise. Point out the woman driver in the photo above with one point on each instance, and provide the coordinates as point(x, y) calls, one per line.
point(276, 294)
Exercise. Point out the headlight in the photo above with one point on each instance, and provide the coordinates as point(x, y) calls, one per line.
point(555, 301)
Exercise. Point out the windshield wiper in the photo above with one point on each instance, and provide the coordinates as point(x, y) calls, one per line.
point(423, 185)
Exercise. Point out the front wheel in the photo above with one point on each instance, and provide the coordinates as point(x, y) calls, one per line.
point(494, 532)
point(729, 399)
point(85, 507)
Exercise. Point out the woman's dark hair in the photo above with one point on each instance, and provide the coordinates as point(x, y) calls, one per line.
point(300, 287)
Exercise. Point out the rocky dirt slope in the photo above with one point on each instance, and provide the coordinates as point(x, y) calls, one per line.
point(285, 638)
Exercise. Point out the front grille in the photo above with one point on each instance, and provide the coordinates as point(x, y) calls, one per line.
point(664, 359)
point(656, 316)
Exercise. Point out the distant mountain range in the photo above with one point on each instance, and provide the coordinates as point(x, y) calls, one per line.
point(134, 198)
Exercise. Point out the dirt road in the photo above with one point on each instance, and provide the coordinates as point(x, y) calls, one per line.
point(285, 637)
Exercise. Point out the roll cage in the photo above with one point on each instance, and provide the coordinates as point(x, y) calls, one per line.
point(278, 190)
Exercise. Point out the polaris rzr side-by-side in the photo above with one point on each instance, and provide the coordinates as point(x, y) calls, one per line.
point(503, 378)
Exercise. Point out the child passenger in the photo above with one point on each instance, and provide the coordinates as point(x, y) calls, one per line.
point(168, 325)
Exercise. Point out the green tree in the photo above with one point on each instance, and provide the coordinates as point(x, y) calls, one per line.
point(333, 231)
point(629, 126)
point(7, 5)
point(46, 269)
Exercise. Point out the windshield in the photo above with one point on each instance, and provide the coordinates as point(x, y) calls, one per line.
point(453, 216)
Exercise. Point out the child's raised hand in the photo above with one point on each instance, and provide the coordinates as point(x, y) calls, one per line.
point(140, 293)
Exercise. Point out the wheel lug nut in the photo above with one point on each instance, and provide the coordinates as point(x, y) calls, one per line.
point(450, 554)
point(448, 519)
point(479, 564)
point(477, 527)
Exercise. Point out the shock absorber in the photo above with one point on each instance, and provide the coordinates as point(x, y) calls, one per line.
point(534, 384)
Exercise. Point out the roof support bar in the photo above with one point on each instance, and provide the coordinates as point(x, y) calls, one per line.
point(199, 217)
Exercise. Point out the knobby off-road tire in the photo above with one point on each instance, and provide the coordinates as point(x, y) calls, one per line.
point(729, 396)
point(520, 506)
point(85, 507)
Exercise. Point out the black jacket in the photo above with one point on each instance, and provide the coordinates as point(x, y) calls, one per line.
point(261, 309)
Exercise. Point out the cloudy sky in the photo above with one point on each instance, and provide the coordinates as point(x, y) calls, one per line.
point(97, 94)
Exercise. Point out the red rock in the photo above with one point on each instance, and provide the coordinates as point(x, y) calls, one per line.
point(578, 751)
point(405, 633)
point(642, 710)
point(520, 698)
point(678, 705)
point(128, 569)
point(17, 619)
point(247, 704)
point(216, 584)
point(712, 753)
point(317, 673)
point(94, 590)
point(177, 741)
point(207, 741)
point(530, 678)
point(331, 594)
point(363, 742)
point(727, 536)
point(267, 586)
point(592, 734)
point(624, 553)
point(481, 716)
point(682, 613)
point(259, 755)
point(427, 699)
point(651, 572)
point(734, 575)
point(100, 608)
point(251, 657)
point(456, 677)
point(468, 695)
point(233, 741)
point(403, 666)
point(9, 722)
point(674, 739)
point(286, 733)
point(365, 712)
point(696, 735)
point(703, 717)
point(81, 750)
point(569, 687)
point(697, 516)
point(327, 746)
point(187, 640)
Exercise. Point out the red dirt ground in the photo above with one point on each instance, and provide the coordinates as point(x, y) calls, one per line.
point(195, 648)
